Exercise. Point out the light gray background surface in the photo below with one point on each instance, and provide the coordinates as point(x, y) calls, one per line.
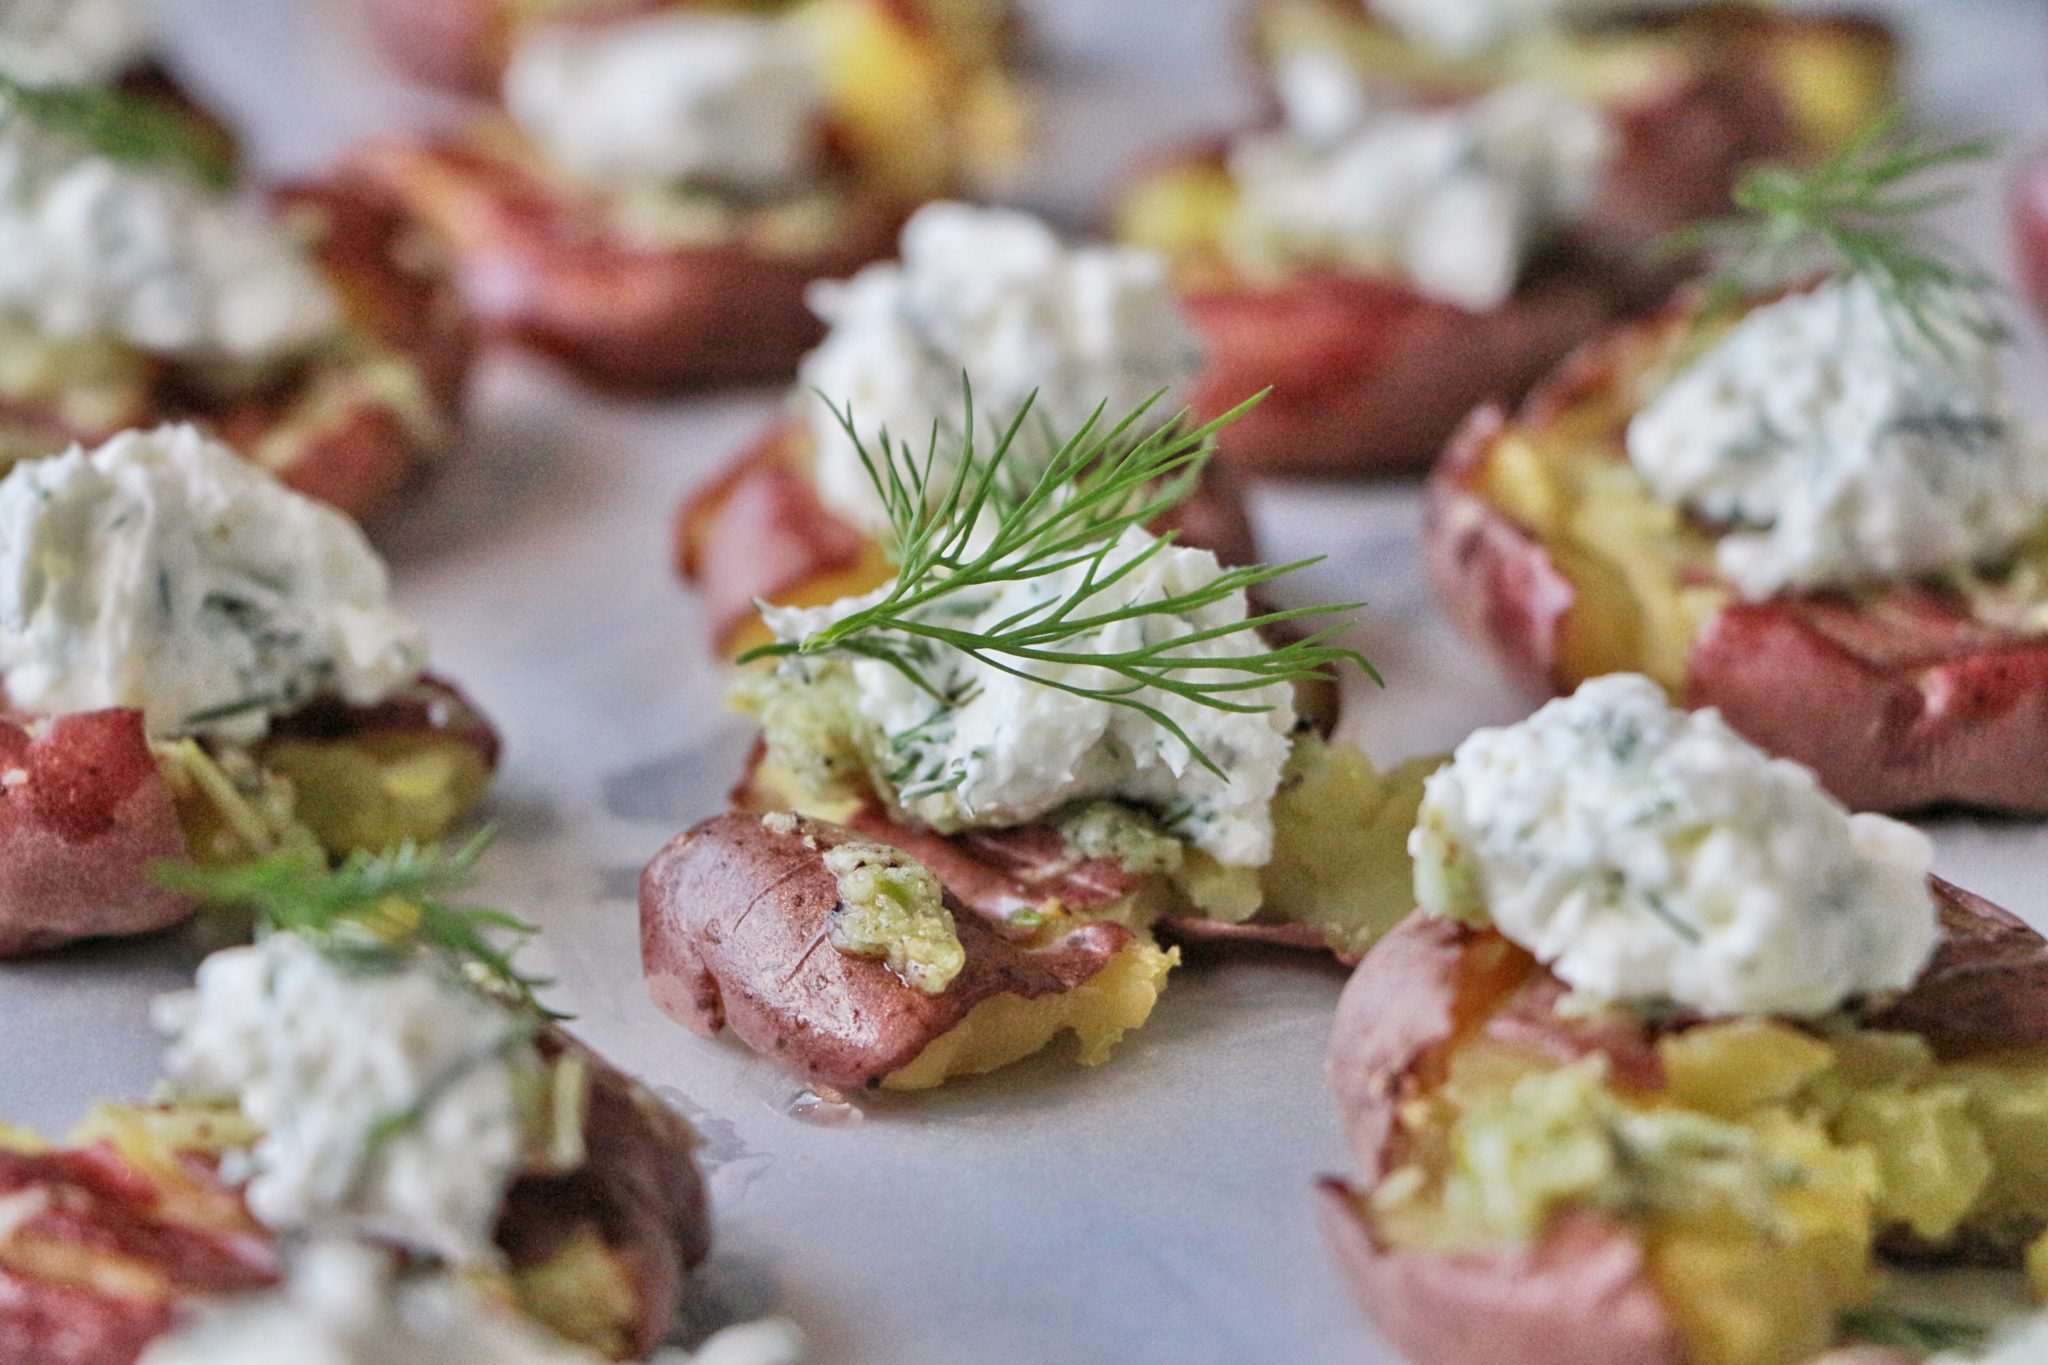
point(1153, 1210)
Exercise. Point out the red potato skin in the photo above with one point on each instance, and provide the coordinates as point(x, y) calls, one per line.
point(1901, 705)
point(92, 1199)
point(1580, 1294)
point(993, 872)
point(1369, 376)
point(1494, 580)
point(1901, 702)
point(83, 827)
point(542, 269)
point(431, 705)
point(760, 531)
point(1987, 986)
point(84, 815)
point(733, 935)
point(2029, 209)
point(639, 1186)
point(457, 45)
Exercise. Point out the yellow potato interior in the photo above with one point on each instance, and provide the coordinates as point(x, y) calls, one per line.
point(917, 112)
point(374, 792)
point(1832, 79)
point(1007, 1028)
point(1762, 1177)
point(1184, 212)
point(1340, 844)
point(584, 1291)
point(1639, 572)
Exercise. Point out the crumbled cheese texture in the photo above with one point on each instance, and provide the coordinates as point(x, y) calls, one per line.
point(1322, 93)
point(72, 42)
point(1835, 451)
point(1453, 200)
point(395, 1099)
point(993, 295)
point(1008, 750)
point(346, 1303)
point(92, 248)
point(165, 573)
point(1473, 28)
point(680, 97)
point(892, 907)
point(1648, 854)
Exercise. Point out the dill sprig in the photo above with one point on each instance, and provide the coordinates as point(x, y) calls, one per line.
point(122, 127)
point(1856, 215)
point(377, 907)
point(995, 522)
point(1889, 1326)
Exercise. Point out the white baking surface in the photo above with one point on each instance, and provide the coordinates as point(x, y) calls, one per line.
point(1154, 1209)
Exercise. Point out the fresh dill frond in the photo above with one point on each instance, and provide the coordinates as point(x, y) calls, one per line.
point(376, 907)
point(122, 127)
point(1889, 1326)
point(995, 521)
point(1859, 215)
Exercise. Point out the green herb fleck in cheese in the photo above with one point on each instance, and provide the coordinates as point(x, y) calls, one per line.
point(892, 907)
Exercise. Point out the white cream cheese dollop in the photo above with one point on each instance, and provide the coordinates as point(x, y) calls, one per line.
point(1454, 200)
point(72, 42)
point(1648, 854)
point(1015, 749)
point(345, 1303)
point(91, 247)
point(1838, 452)
point(679, 97)
point(164, 572)
point(995, 295)
point(393, 1098)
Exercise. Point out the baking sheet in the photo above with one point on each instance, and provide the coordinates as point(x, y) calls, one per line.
point(1156, 1209)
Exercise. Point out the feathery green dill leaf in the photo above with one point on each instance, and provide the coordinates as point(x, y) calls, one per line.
point(376, 907)
point(121, 126)
point(1887, 1326)
point(995, 522)
point(1857, 215)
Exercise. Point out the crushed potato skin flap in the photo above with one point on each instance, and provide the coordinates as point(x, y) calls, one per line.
point(84, 815)
point(733, 935)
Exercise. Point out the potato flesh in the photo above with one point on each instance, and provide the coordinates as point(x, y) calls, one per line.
point(584, 1292)
point(915, 115)
point(1340, 843)
point(368, 793)
point(1007, 1028)
point(376, 792)
point(1887, 1137)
